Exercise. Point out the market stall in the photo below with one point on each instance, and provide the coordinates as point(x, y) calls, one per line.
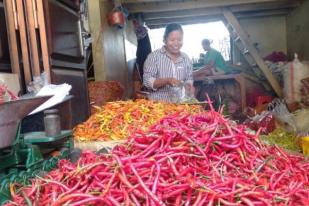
point(241, 140)
point(182, 159)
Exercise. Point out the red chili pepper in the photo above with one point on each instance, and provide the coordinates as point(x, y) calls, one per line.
point(153, 197)
point(198, 198)
point(168, 165)
point(175, 192)
point(189, 196)
point(178, 200)
point(99, 200)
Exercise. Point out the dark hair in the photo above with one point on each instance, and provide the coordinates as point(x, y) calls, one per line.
point(170, 28)
point(206, 41)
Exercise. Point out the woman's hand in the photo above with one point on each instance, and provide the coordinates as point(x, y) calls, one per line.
point(190, 88)
point(165, 82)
point(173, 82)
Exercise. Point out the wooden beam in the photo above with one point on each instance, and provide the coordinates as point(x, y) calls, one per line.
point(24, 42)
point(265, 6)
point(176, 6)
point(182, 13)
point(188, 21)
point(48, 27)
point(277, 12)
point(35, 63)
point(96, 22)
point(156, 23)
point(11, 32)
point(218, 10)
point(184, 20)
point(232, 20)
point(140, 1)
point(43, 38)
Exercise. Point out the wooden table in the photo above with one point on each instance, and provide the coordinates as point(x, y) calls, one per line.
point(239, 78)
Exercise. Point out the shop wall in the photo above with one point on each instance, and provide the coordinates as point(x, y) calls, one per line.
point(114, 48)
point(96, 31)
point(130, 52)
point(268, 33)
point(129, 32)
point(108, 45)
point(298, 31)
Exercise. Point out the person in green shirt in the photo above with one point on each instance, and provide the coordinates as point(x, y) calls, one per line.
point(213, 62)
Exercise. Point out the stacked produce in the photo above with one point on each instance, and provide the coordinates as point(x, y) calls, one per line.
point(284, 139)
point(116, 120)
point(196, 160)
point(101, 92)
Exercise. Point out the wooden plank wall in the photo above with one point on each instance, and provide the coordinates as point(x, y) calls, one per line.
point(27, 39)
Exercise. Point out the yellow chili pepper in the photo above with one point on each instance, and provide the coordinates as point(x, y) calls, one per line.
point(117, 120)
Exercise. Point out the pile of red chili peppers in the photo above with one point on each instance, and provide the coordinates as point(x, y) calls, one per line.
point(197, 160)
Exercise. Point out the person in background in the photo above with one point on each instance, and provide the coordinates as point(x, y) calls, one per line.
point(143, 45)
point(142, 51)
point(168, 67)
point(213, 61)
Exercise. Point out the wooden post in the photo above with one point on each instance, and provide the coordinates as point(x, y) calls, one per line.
point(33, 40)
point(95, 22)
point(10, 21)
point(23, 41)
point(43, 38)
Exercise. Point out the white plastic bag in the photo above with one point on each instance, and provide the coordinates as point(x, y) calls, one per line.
point(282, 115)
point(59, 92)
point(38, 83)
point(301, 119)
point(293, 73)
point(181, 93)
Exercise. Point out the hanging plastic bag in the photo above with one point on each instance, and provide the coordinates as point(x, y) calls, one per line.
point(293, 73)
point(282, 115)
point(176, 94)
point(38, 83)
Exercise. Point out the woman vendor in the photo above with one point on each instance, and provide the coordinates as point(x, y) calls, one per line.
point(168, 67)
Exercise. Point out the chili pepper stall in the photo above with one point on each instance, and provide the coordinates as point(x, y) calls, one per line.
point(180, 155)
point(246, 142)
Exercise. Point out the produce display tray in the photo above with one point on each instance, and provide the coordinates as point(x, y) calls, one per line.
point(97, 145)
point(203, 104)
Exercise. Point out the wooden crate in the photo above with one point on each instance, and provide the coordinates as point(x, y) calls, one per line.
point(97, 145)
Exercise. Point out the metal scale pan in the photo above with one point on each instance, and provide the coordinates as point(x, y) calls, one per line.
point(11, 113)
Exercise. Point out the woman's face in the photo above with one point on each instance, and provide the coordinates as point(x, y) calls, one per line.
point(173, 42)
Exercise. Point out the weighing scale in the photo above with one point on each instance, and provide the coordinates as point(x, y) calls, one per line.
point(23, 156)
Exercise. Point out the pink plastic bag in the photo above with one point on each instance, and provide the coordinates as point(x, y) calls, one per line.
point(5, 94)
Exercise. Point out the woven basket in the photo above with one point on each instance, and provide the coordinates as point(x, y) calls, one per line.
point(101, 92)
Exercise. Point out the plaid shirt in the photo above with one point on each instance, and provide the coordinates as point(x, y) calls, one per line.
point(159, 65)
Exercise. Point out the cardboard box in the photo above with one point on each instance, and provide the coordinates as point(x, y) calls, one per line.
point(12, 82)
